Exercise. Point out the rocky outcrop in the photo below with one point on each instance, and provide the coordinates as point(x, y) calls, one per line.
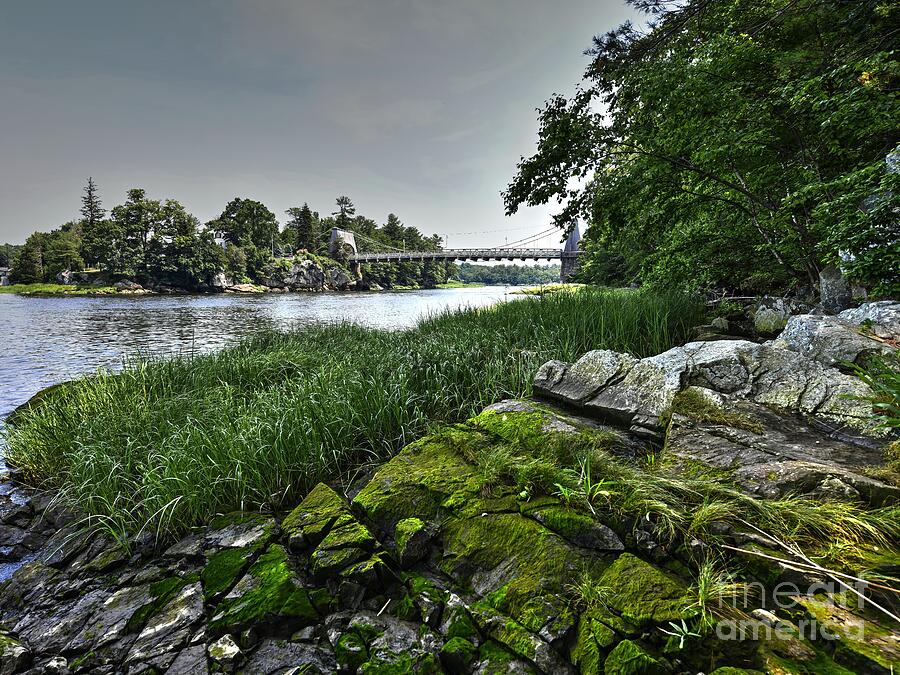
point(832, 340)
point(638, 393)
point(308, 273)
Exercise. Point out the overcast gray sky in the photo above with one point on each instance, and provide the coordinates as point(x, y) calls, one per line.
point(420, 107)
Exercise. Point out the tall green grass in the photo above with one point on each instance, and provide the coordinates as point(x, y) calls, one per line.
point(165, 444)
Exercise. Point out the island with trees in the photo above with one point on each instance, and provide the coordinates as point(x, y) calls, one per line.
point(152, 245)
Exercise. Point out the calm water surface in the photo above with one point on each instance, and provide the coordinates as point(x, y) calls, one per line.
point(50, 340)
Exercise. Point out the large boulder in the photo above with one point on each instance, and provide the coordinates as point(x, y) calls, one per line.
point(337, 279)
point(65, 277)
point(834, 289)
point(770, 315)
point(831, 340)
point(305, 275)
point(881, 319)
point(639, 393)
point(770, 454)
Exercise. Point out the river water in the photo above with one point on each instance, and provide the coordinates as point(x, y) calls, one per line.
point(50, 340)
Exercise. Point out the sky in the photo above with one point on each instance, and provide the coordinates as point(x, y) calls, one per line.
point(417, 107)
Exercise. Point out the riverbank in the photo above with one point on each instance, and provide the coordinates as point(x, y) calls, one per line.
point(536, 537)
point(284, 411)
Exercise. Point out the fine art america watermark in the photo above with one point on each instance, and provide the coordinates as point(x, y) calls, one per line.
point(787, 597)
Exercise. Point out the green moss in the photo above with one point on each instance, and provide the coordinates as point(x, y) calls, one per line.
point(324, 562)
point(402, 664)
point(374, 568)
point(542, 562)
point(160, 594)
point(521, 428)
point(272, 592)
point(223, 569)
point(460, 624)
point(349, 535)
point(497, 660)
point(862, 644)
point(426, 477)
point(351, 651)
point(314, 517)
point(322, 600)
point(692, 403)
point(643, 594)
point(629, 658)
point(405, 531)
point(459, 654)
point(595, 637)
point(566, 522)
point(729, 670)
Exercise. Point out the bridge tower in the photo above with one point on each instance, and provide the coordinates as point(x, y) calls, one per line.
point(569, 262)
point(341, 245)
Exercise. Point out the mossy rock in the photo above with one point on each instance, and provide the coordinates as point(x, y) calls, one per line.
point(161, 592)
point(411, 537)
point(730, 670)
point(518, 564)
point(402, 664)
point(495, 659)
point(629, 658)
point(526, 427)
point(860, 641)
point(351, 651)
point(223, 569)
point(326, 562)
point(309, 523)
point(372, 570)
point(350, 535)
point(458, 655)
point(598, 631)
point(270, 593)
point(427, 477)
point(643, 594)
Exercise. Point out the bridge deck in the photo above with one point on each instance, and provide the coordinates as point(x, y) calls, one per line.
point(464, 254)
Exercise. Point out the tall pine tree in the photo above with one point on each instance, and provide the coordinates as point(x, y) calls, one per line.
point(94, 229)
point(303, 225)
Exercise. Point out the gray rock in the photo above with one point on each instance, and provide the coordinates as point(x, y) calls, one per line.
point(638, 394)
point(244, 530)
point(830, 340)
point(14, 656)
point(225, 653)
point(337, 279)
point(720, 324)
point(170, 629)
point(882, 318)
point(834, 289)
point(770, 315)
point(278, 656)
point(219, 281)
point(190, 661)
point(305, 275)
point(786, 456)
point(128, 285)
point(65, 277)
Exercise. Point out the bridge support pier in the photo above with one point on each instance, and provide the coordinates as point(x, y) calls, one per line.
point(568, 267)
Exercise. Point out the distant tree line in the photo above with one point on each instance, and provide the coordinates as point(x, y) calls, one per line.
point(160, 243)
point(508, 275)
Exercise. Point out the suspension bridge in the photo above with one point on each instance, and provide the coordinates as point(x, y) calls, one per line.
point(522, 249)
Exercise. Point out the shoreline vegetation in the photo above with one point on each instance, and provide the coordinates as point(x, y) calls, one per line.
point(78, 290)
point(167, 444)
